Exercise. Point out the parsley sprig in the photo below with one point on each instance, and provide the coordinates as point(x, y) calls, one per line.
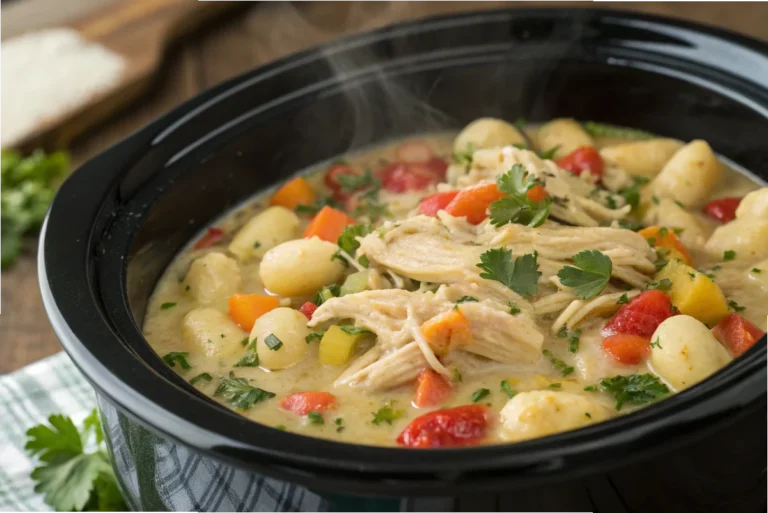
point(520, 274)
point(517, 207)
point(590, 276)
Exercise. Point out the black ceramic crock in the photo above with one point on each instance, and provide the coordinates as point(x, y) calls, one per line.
point(120, 219)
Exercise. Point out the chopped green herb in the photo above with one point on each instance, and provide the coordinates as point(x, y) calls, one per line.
point(166, 306)
point(175, 357)
point(560, 365)
point(480, 394)
point(635, 389)
point(239, 393)
point(590, 276)
point(663, 285)
point(735, 307)
point(200, 377)
point(550, 153)
point(555, 385)
point(517, 207)
point(273, 342)
point(353, 330)
point(386, 414)
point(657, 343)
point(314, 335)
point(729, 255)
point(521, 274)
point(623, 300)
point(507, 389)
point(597, 129)
point(315, 417)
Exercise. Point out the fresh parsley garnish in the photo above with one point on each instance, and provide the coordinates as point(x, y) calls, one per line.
point(517, 207)
point(239, 393)
point(315, 335)
point(635, 389)
point(521, 274)
point(315, 417)
point(69, 478)
point(590, 276)
point(166, 306)
point(386, 414)
point(200, 377)
point(623, 300)
point(507, 389)
point(729, 255)
point(273, 342)
point(353, 330)
point(558, 364)
point(175, 357)
point(479, 394)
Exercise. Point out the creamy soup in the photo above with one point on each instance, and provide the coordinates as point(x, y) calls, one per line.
point(497, 285)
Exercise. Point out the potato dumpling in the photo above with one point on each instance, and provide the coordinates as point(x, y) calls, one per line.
point(685, 352)
point(212, 332)
point(543, 412)
point(689, 176)
point(263, 232)
point(213, 277)
point(280, 338)
point(669, 214)
point(754, 205)
point(566, 134)
point(641, 158)
point(487, 133)
point(747, 237)
point(300, 267)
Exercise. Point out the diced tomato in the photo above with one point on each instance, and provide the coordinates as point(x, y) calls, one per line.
point(331, 178)
point(431, 389)
point(737, 334)
point(537, 193)
point(430, 205)
point(211, 237)
point(723, 209)
point(308, 309)
point(641, 316)
point(583, 159)
point(473, 202)
point(301, 403)
point(627, 349)
point(451, 427)
point(414, 151)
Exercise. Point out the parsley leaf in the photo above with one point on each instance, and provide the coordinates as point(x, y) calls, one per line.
point(174, 357)
point(521, 274)
point(560, 365)
point(239, 393)
point(69, 478)
point(386, 414)
point(590, 276)
point(635, 389)
point(480, 394)
point(517, 207)
point(507, 389)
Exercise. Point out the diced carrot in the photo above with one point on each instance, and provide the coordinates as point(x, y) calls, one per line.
point(293, 193)
point(308, 309)
point(737, 334)
point(667, 240)
point(328, 224)
point(627, 349)
point(431, 205)
point(537, 193)
point(446, 331)
point(301, 403)
point(431, 389)
point(211, 237)
point(473, 202)
point(246, 308)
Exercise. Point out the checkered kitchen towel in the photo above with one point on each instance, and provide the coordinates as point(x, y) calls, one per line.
point(27, 397)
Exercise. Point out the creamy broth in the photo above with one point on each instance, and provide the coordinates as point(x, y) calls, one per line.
point(548, 390)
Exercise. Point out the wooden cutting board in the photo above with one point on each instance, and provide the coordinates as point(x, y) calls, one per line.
point(141, 31)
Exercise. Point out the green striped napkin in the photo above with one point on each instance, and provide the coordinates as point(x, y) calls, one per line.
point(27, 397)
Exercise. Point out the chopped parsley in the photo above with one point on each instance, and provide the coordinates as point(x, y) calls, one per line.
point(735, 307)
point(558, 364)
point(200, 377)
point(353, 330)
point(729, 255)
point(517, 207)
point(314, 335)
point(166, 306)
point(507, 389)
point(273, 342)
point(386, 414)
point(521, 274)
point(662, 285)
point(239, 393)
point(315, 417)
point(175, 357)
point(623, 300)
point(590, 276)
point(479, 394)
point(635, 389)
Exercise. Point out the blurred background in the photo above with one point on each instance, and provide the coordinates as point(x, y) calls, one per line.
point(236, 37)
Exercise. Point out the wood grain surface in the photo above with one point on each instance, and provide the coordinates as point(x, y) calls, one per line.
point(264, 32)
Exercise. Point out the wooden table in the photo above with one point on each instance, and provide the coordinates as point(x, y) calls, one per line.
point(264, 32)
